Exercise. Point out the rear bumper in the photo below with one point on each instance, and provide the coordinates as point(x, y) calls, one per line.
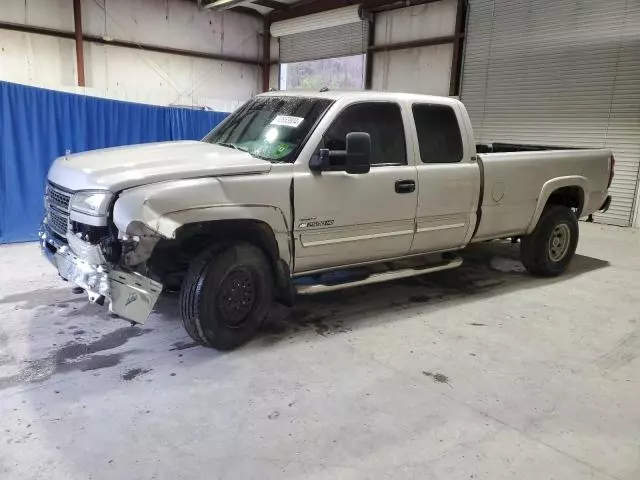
point(605, 206)
point(130, 295)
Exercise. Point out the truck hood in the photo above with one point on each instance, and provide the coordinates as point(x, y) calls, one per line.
point(116, 169)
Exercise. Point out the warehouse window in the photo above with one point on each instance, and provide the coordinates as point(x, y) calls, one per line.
point(343, 73)
point(438, 134)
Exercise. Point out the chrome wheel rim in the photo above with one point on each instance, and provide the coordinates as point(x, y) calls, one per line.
point(559, 242)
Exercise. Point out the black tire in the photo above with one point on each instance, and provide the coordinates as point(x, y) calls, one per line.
point(241, 274)
point(549, 249)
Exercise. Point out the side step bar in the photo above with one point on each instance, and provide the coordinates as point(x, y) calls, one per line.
point(454, 262)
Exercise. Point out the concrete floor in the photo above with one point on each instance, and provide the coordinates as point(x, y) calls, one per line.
point(479, 373)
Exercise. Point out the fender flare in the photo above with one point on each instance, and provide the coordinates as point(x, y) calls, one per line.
point(168, 224)
point(551, 186)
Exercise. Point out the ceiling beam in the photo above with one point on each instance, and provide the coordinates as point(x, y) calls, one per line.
point(398, 4)
point(219, 4)
point(309, 7)
point(271, 4)
point(247, 11)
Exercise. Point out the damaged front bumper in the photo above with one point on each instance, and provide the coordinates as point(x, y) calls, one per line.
point(130, 295)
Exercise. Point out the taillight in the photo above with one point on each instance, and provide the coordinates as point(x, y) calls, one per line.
point(612, 167)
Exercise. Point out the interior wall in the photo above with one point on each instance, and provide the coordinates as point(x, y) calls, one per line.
point(135, 74)
point(274, 71)
point(425, 70)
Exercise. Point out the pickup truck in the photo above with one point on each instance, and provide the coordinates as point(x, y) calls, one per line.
point(305, 192)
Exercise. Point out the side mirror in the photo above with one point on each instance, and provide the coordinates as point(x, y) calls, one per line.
point(358, 153)
point(354, 160)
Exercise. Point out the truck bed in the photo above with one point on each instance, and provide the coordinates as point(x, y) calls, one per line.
point(516, 185)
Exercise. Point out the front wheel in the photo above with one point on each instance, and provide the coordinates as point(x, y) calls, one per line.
point(226, 295)
point(550, 247)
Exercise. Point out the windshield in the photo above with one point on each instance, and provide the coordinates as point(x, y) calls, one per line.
point(271, 128)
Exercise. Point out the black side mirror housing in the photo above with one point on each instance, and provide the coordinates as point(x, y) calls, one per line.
point(355, 160)
point(358, 153)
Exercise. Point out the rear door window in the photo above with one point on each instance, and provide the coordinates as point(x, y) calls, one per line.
point(438, 133)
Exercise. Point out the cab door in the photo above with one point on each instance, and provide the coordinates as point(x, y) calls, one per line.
point(343, 219)
point(448, 179)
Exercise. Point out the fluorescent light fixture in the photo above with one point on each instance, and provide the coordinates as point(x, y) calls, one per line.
point(222, 4)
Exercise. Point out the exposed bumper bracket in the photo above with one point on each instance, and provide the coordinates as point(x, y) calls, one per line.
point(131, 295)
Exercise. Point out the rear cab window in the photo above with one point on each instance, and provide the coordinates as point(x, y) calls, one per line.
point(438, 132)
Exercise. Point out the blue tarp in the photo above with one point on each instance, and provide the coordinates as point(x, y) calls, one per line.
point(38, 125)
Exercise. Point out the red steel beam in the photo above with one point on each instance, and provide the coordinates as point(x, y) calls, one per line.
point(429, 42)
point(77, 18)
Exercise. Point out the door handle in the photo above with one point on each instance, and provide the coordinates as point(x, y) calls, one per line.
point(405, 186)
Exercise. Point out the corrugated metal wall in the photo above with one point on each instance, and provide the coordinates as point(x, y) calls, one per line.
point(559, 72)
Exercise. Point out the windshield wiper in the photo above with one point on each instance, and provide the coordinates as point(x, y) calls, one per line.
point(231, 145)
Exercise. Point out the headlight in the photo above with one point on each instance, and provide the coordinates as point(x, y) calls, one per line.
point(91, 203)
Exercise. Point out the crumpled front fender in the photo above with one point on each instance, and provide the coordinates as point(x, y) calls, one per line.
point(161, 209)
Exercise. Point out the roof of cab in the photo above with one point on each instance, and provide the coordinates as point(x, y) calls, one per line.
point(359, 95)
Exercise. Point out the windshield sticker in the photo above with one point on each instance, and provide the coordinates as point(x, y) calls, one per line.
point(287, 121)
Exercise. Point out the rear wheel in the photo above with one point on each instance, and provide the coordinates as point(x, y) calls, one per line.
point(226, 295)
point(550, 247)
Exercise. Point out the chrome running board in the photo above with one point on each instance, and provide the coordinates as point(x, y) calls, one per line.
point(398, 274)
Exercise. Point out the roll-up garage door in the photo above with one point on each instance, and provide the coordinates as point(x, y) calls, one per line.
point(559, 72)
point(336, 33)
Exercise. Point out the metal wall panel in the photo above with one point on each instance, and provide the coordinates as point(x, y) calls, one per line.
point(559, 72)
point(337, 41)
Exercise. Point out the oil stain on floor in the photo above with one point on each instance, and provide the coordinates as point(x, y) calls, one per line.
point(437, 377)
point(75, 357)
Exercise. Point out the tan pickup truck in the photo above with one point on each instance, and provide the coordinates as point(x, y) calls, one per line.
point(297, 193)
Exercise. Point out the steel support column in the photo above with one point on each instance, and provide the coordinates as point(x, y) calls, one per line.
point(77, 18)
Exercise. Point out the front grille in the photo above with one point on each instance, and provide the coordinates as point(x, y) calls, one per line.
point(58, 222)
point(58, 209)
point(59, 198)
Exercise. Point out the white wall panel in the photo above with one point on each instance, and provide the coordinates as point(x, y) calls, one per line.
point(423, 70)
point(29, 59)
point(419, 22)
point(135, 74)
point(176, 24)
point(57, 14)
